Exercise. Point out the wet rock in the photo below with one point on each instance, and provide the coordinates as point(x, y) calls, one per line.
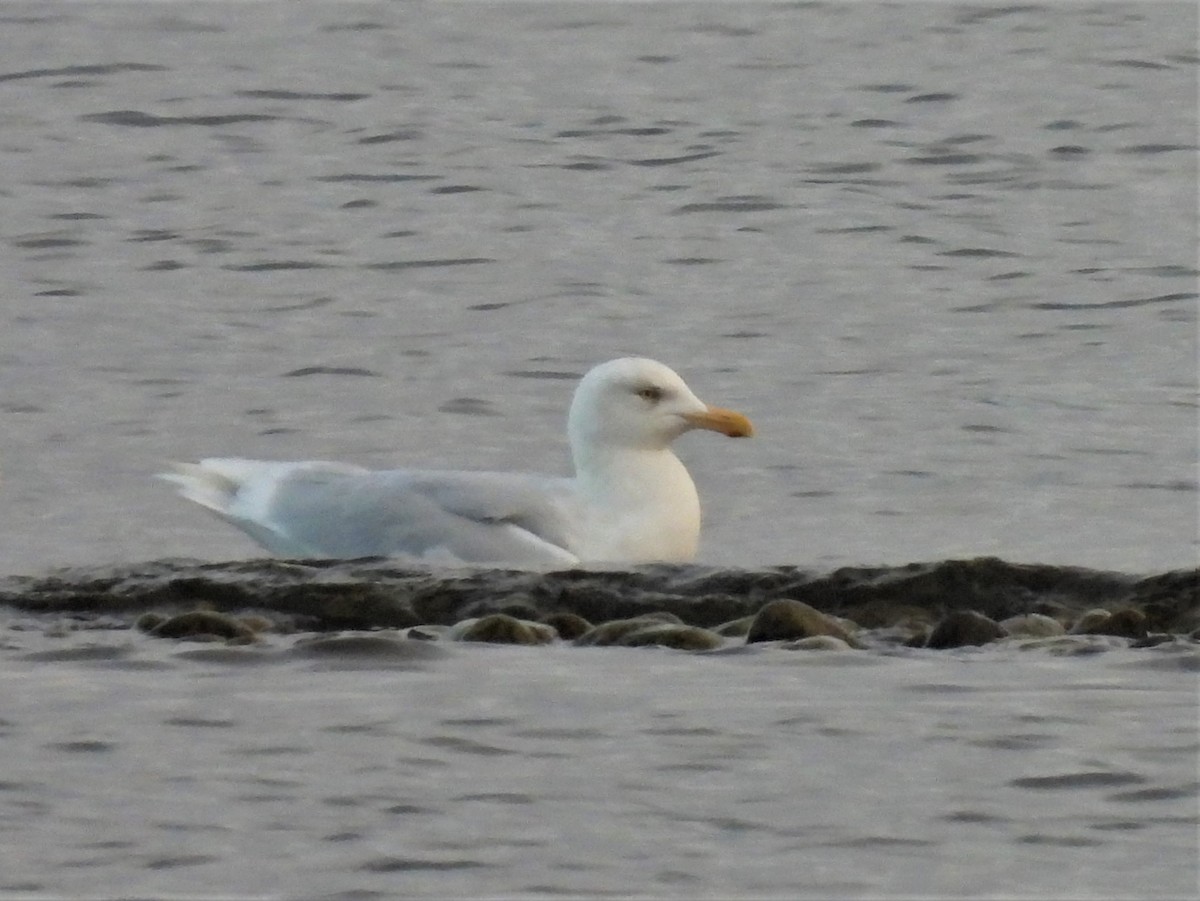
point(383, 593)
point(367, 649)
point(1032, 625)
point(1154, 640)
point(611, 632)
point(786, 620)
point(518, 606)
point(735, 628)
point(818, 643)
point(203, 625)
point(1171, 601)
point(670, 635)
point(426, 632)
point(963, 628)
point(149, 621)
point(1073, 645)
point(569, 626)
point(1090, 620)
point(888, 614)
point(500, 628)
point(1124, 623)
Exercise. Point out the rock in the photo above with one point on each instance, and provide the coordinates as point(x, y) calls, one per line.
point(1124, 623)
point(500, 628)
point(1154, 640)
point(427, 632)
point(962, 628)
point(786, 620)
point(887, 614)
point(1090, 620)
point(1032, 625)
point(669, 635)
point(569, 626)
point(148, 622)
point(1073, 645)
point(204, 625)
point(367, 649)
point(611, 632)
point(735, 628)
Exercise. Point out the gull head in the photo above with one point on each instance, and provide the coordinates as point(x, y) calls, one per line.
point(640, 404)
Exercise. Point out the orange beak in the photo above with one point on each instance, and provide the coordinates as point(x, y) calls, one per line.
point(718, 419)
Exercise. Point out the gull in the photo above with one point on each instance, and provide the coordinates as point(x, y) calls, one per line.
point(630, 501)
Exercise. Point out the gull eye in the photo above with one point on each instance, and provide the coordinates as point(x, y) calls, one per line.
point(650, 393)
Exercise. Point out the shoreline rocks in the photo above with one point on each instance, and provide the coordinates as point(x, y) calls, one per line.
point(949, 604)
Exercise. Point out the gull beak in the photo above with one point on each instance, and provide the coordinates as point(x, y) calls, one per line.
point(718, 419)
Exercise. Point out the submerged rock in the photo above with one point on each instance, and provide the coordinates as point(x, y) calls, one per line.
point(786, 620)
point(963, 628)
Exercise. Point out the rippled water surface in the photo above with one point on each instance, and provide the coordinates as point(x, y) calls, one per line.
point(560, 772)
point(943, 255)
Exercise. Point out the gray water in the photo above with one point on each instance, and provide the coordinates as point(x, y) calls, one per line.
point(572, 772)
point(944, 256)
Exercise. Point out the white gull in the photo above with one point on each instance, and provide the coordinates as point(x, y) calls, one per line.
point(631, 499)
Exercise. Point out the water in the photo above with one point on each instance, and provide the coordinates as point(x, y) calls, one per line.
point(944, 256)
point(560, 772)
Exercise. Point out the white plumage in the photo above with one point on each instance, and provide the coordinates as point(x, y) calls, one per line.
point(631, 499)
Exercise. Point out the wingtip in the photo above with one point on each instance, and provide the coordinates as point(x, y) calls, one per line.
point(200, 484)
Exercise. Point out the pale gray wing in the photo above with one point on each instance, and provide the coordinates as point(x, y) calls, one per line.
point(474, 517)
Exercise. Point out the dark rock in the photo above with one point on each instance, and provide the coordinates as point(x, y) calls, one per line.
point(569, 626)
point(1154, 640)
point(670, 635)
point(735, 628)
point(888, 614)
point(375, 592)
point(368, 649)
point(613, 631)
point(1126, 623)
point(204, 625)
point(961, 628)
point(786, 620)
point(500, 628)
point(149, 621)
point(1090, 620)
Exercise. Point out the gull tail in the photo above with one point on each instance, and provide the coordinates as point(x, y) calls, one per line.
point(204, 484)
